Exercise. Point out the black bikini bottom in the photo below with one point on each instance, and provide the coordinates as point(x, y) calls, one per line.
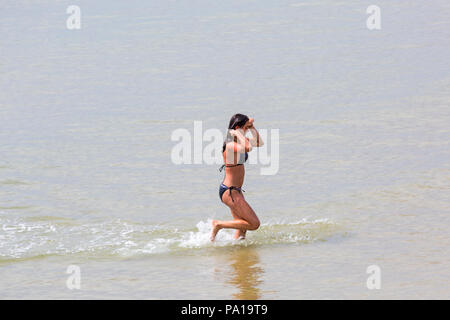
point(224, 188)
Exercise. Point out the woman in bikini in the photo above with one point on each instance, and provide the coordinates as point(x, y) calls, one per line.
point(235, 153)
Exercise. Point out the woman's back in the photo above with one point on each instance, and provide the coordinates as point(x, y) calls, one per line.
point(234, 165)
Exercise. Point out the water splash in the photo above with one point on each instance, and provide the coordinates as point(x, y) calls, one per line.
point(28, 238)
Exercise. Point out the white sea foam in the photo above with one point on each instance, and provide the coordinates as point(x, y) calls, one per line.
point(23, 238)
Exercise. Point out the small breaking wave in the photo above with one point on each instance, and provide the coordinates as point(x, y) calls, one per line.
point(34, 237)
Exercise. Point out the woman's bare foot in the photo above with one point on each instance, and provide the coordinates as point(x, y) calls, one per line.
point(215, 229)
point(239, 235)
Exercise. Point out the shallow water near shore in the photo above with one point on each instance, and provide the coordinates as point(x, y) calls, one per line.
point(86, 176)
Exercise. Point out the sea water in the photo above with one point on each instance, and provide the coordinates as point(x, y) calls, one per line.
point(87, 179)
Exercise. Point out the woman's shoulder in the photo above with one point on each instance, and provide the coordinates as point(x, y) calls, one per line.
point(234, 147)
point(231, 146)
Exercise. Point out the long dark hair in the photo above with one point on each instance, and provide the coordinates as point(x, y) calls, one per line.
point(237, 120)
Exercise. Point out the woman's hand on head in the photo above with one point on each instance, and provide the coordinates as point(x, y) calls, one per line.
point(250, 123)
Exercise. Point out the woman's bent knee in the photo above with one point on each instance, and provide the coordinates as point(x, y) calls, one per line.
point(255, 225)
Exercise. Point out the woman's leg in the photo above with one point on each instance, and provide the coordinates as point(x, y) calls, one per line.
point(244, 216)
point(240, 233)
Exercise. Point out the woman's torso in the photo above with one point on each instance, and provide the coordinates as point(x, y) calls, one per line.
point(234, 169)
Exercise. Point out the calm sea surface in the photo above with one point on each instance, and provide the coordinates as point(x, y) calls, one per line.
point(87, 179)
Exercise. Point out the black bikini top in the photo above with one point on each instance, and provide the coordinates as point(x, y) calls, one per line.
point(240, 162)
